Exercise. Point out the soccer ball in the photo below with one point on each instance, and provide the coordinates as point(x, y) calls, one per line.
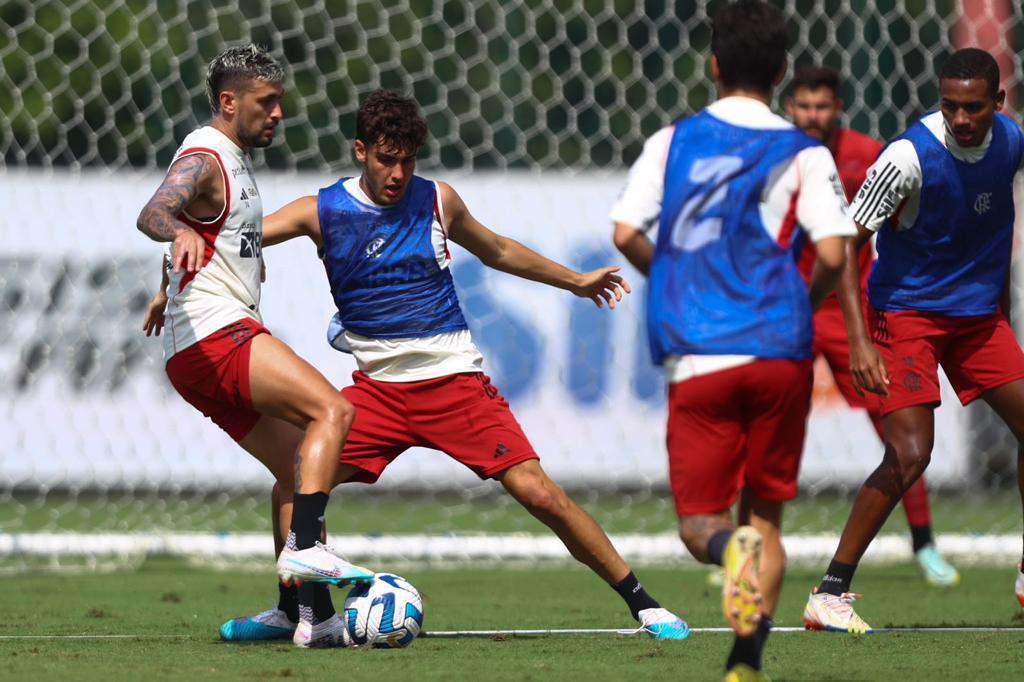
point(387, 614)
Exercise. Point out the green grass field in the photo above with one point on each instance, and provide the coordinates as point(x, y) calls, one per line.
point(172, 611)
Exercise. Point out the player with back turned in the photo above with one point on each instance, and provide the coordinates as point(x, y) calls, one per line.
point(940, 198)
point(729, 316)
point(815, 107)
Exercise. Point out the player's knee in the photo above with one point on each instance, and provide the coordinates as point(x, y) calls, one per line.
point(540, 495)
point(912, 455)
point(282, 491)
point(339, 412)
point(694, 534)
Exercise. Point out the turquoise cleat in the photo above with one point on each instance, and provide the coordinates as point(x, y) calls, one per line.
point(266, 626)
point(663, 624)
point(937, 571)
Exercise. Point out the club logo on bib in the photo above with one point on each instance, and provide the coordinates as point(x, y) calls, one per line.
point(983, 203)
point(374, 247)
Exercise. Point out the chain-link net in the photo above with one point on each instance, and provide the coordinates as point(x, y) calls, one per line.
point(95, 97)
point(528, 84)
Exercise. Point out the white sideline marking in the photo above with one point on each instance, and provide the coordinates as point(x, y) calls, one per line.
point(615, 631)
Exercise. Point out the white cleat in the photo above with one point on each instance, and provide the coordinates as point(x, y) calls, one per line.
point(835, 614)
point(319, 564)
point(661, 623)
point(328, 634)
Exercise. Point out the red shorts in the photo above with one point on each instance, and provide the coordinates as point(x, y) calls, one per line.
point(831, 341)
point(738, 428)
point(213, 375)
point(977, 353)
point(462, 415)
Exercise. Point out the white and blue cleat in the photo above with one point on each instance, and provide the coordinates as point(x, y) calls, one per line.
point(936, 570)
point(319, 564)
point(663, 624)
point(263, 627)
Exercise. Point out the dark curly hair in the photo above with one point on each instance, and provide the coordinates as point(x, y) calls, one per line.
point(389, 119)
point(971, 63)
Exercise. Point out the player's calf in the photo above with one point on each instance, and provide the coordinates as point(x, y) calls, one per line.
point(587, 542)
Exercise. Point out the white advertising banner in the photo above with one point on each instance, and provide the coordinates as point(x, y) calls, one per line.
point(85, 402)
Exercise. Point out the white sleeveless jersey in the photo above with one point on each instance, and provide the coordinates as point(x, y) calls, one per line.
point(227, 287)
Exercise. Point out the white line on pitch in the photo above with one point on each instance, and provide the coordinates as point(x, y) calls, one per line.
point(16, 637)
point(613, 631)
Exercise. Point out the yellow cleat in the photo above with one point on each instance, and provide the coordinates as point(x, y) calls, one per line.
point(741, 592)
point(741, 672)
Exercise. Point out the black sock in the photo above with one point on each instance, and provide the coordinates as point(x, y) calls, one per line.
point(838, 578)
point(634, 594)
point(308, 518)
point(716, 545)
point(921, 536)
point(748, 649)
point(315, 603)
point(764, 628)
point(288, 601)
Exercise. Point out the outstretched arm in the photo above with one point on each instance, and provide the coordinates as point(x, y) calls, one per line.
point(188, 178)
point(635, 245)
point(866, 365)
point(508, 255)
point(297, 219)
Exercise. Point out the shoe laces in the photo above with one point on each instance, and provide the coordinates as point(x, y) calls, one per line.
point(657, 616)
point(330, 550)
point(849, 597)
point(844, 605)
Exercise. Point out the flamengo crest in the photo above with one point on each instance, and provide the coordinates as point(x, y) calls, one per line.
point(983, 203)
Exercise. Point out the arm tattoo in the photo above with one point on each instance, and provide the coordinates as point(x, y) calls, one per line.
point(158, 220)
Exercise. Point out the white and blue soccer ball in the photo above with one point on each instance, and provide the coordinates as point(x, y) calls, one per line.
point(387, 614)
